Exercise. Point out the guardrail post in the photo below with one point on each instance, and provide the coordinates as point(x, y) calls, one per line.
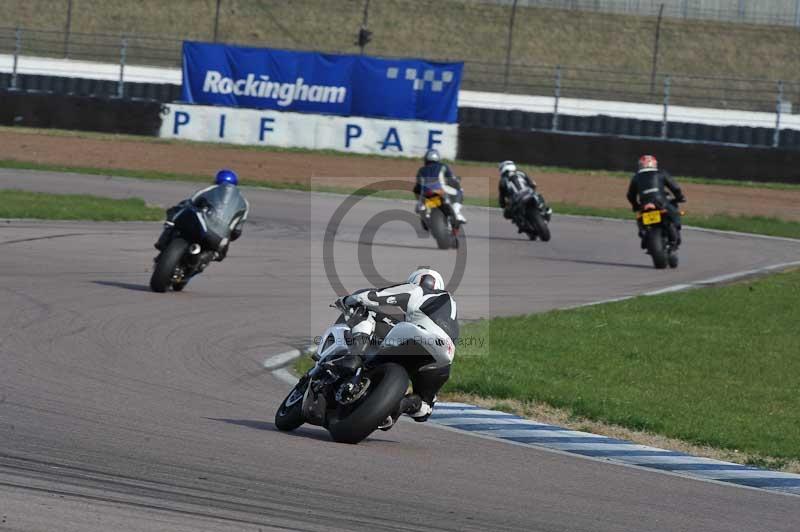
point(122, 55)
point(664, 123)
point(67, 29)
point(797, 14)
point(17, 50)
point(508, 45)
point(557, 98)
point(776, 137)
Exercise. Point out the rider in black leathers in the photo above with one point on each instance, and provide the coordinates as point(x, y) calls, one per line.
point(649, 185)
point(512, 185)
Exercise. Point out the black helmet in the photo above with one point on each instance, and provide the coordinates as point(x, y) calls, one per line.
point(432, 156)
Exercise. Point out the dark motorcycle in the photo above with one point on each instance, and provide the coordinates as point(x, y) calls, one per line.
point(654, 230)
point(198, 233)
point(531, 215)
point(348, 394)
point(437, 217)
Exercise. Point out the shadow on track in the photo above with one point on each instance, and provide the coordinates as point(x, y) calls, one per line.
point(598, 262)
point(317, 433)
point(431, 247)
point(127, 286)
point(269, 426)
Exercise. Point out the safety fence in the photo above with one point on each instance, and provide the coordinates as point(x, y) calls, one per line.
point(564, 89)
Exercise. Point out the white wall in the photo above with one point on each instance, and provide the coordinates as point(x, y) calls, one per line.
point(400, 138)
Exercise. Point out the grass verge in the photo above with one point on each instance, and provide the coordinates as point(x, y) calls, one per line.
point(744, 224)
point(726, 387)
point(714, 367)
point(39, 205)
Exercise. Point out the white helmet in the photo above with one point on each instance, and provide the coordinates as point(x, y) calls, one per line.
point(507, 166)
point(426, 278)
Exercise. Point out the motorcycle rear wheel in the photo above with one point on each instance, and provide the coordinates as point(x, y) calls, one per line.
point(656, 249)
point(389, 385)
point(439, 229)
point(167, 262)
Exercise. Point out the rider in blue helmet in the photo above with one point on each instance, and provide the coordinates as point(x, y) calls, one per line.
point(224, 178)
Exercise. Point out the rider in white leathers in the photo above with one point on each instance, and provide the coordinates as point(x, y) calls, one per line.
point(430, 320)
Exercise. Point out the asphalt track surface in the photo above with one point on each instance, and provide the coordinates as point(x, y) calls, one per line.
point(123, 409)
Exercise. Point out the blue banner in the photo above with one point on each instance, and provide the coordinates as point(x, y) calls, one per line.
point(311, 82)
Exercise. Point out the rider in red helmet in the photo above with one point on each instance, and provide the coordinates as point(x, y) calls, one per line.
point(649, 185)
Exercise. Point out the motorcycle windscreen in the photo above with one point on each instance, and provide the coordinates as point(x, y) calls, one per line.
point(224, 205)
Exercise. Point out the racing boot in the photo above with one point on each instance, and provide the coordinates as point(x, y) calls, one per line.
point(457, 213)
point(411, 404)
point(674, 236)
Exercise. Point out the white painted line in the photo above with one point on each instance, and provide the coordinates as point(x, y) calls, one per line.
point(285, 375)
point(480, 421)
point(281, 359)
point(722, 474)
point(667, 290)
point(644, 460)
point(601, 302)
point(588, 446)
point(532, 433)
point(694, 284)
point(475, 411)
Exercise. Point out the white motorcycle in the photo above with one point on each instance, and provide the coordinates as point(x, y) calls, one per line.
point(351, 395)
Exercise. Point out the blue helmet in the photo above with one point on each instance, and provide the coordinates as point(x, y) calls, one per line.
point(226, 176)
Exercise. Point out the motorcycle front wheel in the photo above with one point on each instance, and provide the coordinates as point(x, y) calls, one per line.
point(289, 415)
point(537, 221)
point(389, 383)
point(167, 262)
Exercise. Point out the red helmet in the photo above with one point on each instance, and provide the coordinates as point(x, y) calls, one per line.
point(648, 162)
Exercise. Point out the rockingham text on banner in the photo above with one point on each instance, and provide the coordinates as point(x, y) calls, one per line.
point(311, 82)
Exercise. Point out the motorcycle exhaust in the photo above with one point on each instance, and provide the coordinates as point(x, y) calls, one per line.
point(194, 249)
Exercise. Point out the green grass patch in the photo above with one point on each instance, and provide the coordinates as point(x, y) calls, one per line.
point(39, 205)
point(717, 366)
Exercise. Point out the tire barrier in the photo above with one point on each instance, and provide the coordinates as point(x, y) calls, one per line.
point(611, 125)
point(159, 92)
point(82, 113)
point(605, 152)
